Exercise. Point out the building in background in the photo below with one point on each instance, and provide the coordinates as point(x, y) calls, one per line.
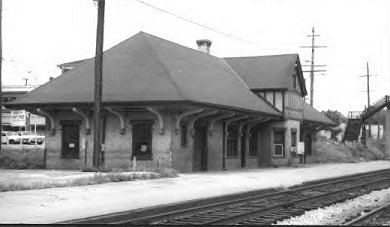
point(20, 120)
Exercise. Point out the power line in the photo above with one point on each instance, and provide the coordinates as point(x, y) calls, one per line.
point(193, 22)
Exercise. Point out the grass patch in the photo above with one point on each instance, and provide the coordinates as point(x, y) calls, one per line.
point(22, 157)
point(91, 179)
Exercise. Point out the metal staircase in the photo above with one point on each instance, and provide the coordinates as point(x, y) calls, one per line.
point(356, 120)
point(354, 123)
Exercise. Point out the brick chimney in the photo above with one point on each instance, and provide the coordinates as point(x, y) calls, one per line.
point(204, 45)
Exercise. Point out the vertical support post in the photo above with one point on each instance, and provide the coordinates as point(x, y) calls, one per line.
point(224, 145)
point(363, 139)
point(386, 133)
point(98, 85)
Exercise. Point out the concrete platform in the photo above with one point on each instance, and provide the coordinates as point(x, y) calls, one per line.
point(61, 204)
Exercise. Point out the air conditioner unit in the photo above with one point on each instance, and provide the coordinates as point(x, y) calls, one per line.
point(278, 150)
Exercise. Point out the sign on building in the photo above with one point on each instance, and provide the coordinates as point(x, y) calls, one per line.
point(301, 148)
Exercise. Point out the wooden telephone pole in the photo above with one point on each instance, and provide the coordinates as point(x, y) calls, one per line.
point(97, 146)
point(312, 65)
point(1, 63)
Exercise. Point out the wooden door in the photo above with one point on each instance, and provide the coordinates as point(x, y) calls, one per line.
point(200, 149)
point(142, 140)
point(70, 140)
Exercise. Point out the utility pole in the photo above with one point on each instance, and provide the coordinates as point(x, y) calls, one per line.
point(97, 146)
point(25, 81)
point(1, 63)
point(312, 65)
point(368, 94)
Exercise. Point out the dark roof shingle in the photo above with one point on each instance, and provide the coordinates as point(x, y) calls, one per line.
point(148, 68)
point(268, 72)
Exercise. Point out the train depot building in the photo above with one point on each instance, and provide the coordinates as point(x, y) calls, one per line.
point(166, 105)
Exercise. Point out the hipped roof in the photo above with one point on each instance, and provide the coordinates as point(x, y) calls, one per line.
point(148, 68)
point(312, 115)
point(269, 72)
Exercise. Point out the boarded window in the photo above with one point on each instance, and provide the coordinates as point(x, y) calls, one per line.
point(253, 143)
point(142, 140)
point(232, 145)
point(279, 143)
point(183, 135)
point(70, 139)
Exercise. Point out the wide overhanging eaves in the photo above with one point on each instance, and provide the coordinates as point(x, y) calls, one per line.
point(145, 103)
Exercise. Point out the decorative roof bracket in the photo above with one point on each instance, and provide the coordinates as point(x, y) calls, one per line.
point(121, 117)
point(241, 125)
point(212, 122)
point(50, 117)
point(159, 117)
point(190, 112)
point(250, 125)
point(192, 121)
point(234, 119)
point(85, 118)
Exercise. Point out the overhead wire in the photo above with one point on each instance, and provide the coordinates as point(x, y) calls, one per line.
point(194, 22)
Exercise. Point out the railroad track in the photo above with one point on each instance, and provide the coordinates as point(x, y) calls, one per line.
point(377, 217)
point(259, 209)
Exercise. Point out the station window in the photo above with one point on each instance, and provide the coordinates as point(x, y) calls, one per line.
point(183, 135)
point(232, 145)
point(293, 137)
point(279, 142)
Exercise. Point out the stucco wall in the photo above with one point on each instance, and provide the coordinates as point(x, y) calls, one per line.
point(289, 157)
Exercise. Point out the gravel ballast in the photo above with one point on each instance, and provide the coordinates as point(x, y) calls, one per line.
point(338, 213)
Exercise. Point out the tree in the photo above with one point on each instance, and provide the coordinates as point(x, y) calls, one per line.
point(338, 118)
point(335, 116)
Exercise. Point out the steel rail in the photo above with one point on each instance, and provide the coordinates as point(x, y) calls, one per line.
point(367, 216)
point(152, 218)
point(292, 203)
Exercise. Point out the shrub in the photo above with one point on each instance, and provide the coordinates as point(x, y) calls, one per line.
point(329, 151)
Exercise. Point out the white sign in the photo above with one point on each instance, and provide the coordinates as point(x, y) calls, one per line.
point(301, 148)
point(18, 118)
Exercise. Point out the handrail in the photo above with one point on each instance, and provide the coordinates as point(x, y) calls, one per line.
point(375, 107)
point(354, 114)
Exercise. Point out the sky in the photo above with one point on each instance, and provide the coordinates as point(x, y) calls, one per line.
point(38, 35)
